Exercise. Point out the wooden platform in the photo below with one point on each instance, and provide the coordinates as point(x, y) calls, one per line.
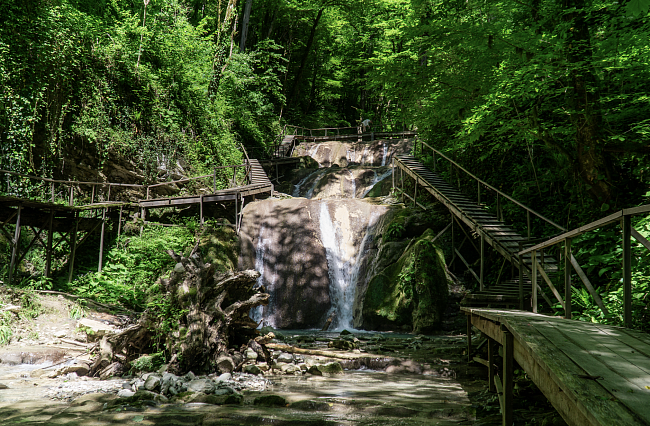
point(593, 374)
point(503, 238)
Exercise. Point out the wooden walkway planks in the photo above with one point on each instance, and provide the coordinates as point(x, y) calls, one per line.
point(592, 373)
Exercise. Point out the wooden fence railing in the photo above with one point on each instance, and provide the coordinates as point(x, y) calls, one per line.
point(455, 169)
point(624, 217)
point(104, 192)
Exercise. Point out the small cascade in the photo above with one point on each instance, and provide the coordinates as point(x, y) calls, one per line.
point(376, 179)
point(354, 184)
point(296, 190)
point(320, 173)
point(383, 159)
point(267, 277)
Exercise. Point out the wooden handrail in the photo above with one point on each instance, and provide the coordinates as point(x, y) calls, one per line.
point(487, 185)
point(612, 218)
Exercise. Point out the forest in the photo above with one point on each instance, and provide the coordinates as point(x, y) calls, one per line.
point(547, 100)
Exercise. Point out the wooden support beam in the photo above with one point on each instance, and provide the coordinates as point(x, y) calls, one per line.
point(73, 241)
point(101, 241)
point(119, 223)
point(508, 372)
point(490, 359)
point(481, 274)
point(14, 246)
point(534, 284)
point(626, 223)
point(587, 283)
point(48, 247)
point(469, 337)
point(567, 278)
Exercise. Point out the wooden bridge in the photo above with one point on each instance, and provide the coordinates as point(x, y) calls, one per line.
point(592, 374)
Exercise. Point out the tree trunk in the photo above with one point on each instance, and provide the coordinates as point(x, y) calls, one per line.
point(590, 163)
point(244, 25)
point(303, 62)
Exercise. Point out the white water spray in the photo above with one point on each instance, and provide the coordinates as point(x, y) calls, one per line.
point(376, 179)
point(383, 159)
point(266, 278)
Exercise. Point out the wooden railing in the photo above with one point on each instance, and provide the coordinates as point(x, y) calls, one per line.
point(101, 191)
point(278, 150)
point(624, 217)
point(500, 196)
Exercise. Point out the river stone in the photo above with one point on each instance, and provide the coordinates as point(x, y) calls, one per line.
point(224, 377)
point(326, 369)
point(344, 332)
point(201, 385)
point(79, 367)
point(289, 368)
point(169, 378)
point(152, 383)
point(251, 355)
point(224, 391)
point(270, 401)
point(252, 369)
point(125, 393)
point(285, 358)
point(95, 330)
point(189, 377)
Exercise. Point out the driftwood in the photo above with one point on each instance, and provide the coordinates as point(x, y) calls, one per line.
point(215, 318)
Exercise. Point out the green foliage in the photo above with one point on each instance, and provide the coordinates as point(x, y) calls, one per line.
point(132, 267)
point(148, 363)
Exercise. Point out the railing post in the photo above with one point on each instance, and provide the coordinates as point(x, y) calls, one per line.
point(147, 192)
point(71, 200)
point(214, 179)
point(482, 267)
point(435, 163)
point(528, 222)
point(534, 280)
point(520, 259)
point(508, 372)
point(626, 223)
point(567, 278)
point(51, 190)
point(498, 207)
point(478, 191)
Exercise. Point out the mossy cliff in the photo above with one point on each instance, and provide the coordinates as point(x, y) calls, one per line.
point(406, 283)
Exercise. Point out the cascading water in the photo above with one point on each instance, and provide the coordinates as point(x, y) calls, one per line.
point(383, 158)
point(320, 173)
point(343, 264)
point(354, 184)
point(267, 276)
point(376, 179)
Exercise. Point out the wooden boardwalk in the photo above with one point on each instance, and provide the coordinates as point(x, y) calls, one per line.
point(593, 374)
point(504, 239)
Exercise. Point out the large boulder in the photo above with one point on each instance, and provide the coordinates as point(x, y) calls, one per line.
point(410, 292)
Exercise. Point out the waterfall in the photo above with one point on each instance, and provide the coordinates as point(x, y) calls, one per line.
point(343, 264)
point(354, 185)
point(383, 159)
point(267, 277)
point(320, 173)
point(376, 179)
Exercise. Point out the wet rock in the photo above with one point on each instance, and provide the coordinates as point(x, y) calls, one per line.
point(125, 393)
point(114, 369)
point(285, 358)
point(153, 383)
point(252, 369)
point(331, 368)
point(189, 377)
point(344, 332)
point(289, 368)
point(270, 401)
point(309, 405)
point(201, 385)
point(343, 345)
point(406, 366)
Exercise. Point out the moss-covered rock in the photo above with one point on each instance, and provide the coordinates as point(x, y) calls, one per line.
point(220, 247)
point(409, 292)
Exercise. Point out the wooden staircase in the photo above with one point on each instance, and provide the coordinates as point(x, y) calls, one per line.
point(503, 238)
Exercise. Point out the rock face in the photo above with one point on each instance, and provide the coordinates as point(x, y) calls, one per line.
point(410, 292)
point(308, 253)
point(404, 284)
point(343, 154)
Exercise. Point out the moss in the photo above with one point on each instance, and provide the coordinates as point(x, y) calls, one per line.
point(220, 247)
point(410, 292)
